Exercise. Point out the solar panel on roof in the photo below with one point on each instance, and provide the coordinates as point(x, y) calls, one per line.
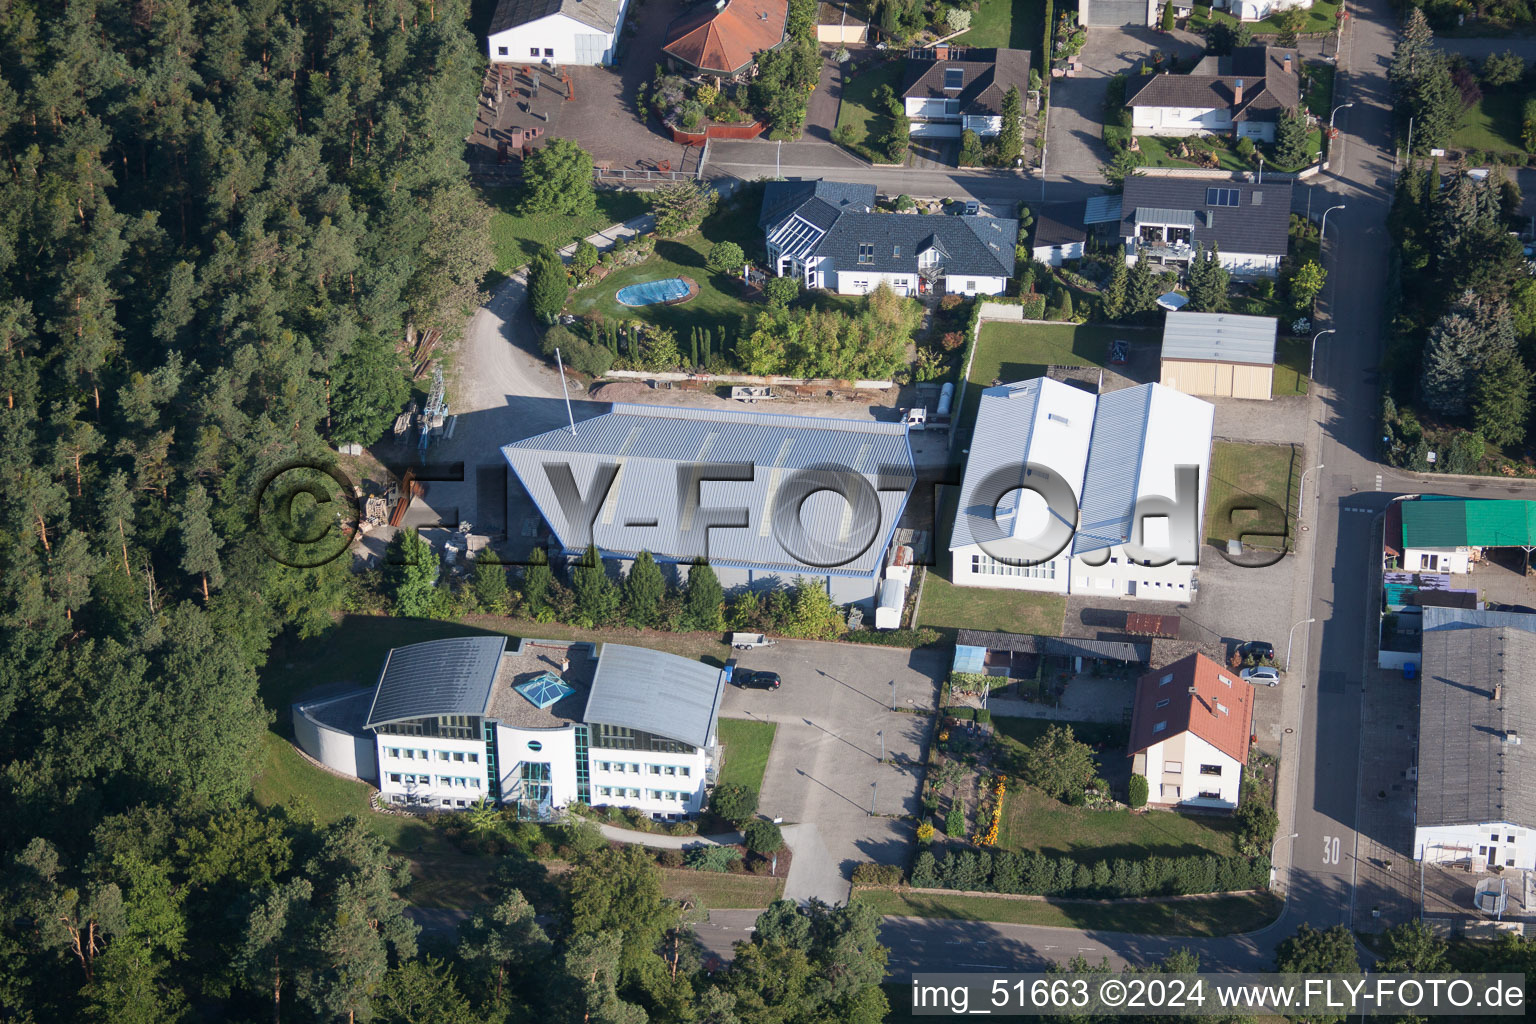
point(954, 78)
point(1223, 196)
point(544, 690)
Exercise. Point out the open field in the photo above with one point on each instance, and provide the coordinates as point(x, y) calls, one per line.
point(721, 890)
point(1207, 915)
point(1253, 492)
point(747, 745)
point(515, 237)
point(946, 606)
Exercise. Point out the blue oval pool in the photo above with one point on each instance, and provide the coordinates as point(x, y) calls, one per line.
point(648, 293)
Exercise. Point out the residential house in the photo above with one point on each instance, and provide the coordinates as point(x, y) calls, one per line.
point(1190, 729)
point(724, 37)
point(1163, 218)
point(1059, 234)
point(766, 498)
point(828, 235)
point(535, 726)
point(1243, 94)
point(1258, 10)
point(1475, 802)
point(948, 90)
point(582, 32)
point(1040, 442)
point(1219, 354)
point(1450, 535)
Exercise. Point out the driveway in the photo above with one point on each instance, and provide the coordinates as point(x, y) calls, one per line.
point(1075, 150)
point(821, 108)
point(833, 710)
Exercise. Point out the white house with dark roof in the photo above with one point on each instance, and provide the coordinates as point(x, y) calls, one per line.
point(1164, 217)
point(1243, 93)
point(1114, 452)
point(581, 32)
point(766, 498)
point(949, 90)
point(828, 235)
point(1476, 794)
point(537, 726)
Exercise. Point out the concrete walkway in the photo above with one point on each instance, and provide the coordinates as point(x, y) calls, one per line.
point(657, 841)
point(610, 236)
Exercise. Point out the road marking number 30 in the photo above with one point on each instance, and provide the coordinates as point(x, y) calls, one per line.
point(1330, 849)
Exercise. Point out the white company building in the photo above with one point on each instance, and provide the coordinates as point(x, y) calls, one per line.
point(537, 726)
point(1110, 452)
point(583, 32)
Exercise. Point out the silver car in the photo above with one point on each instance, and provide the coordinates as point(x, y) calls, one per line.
point(1262, 676)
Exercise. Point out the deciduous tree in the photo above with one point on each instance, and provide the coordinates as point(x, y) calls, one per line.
point(558, 180)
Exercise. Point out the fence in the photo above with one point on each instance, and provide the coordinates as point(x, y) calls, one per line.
point(717, 131)
point(633, 176)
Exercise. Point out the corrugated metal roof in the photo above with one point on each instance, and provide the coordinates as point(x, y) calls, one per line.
point(1104, 650)
point(1017, 643)
point(1164, 215)
point(1039, 421)
point(638, 688)
point(1220, 337)
point(440, 677)
point(661, 453)
point(1487, 523)
point(1440, 618)
point(1468, 773)
point(1102, 210)
point(1141, 435)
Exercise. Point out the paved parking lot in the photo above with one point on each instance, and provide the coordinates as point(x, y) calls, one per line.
point(833, 711)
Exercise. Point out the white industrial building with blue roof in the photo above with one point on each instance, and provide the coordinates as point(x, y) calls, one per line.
point(766, 498)
point(537, 725)
point(1113, 452)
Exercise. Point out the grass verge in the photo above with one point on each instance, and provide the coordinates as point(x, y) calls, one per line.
point(1252, 494)
point(515, 238)
point(1292, 356)
point(721, 891)
point(1204, 916)
point(747, 745)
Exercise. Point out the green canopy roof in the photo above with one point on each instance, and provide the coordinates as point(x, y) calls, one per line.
point(1478, 523)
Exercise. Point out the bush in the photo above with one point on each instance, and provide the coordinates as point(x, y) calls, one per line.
point(958, 19)
point(904, 203)
point(781, 291)
point(1245, 148)
point(1257, 823)
point(925, 832)
point(1138, 791)
point(725, 258)
point(669, 858)
point(877, 874)
point(734, 802)
point(954, 820)
point(712, 858)
point(763, 837)
point(909, 638)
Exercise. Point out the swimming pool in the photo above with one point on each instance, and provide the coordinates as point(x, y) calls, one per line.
point(648, 293)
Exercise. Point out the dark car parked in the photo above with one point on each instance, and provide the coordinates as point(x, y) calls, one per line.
point(751, 679)
point(1258, 650)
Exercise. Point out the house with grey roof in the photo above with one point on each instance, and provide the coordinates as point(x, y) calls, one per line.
point(1242, 94)
point(947, 90)
point(1476, 797)
point(765, 498)
point(1063, 488)
point(1164, 218)
point(829, 235)
point(555, 32)
point(1059, 233)
point(536, 725)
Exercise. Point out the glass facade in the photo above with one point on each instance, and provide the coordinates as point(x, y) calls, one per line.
point(452, 727)
point(583, 773)
point(493, 774)
point(616, 737)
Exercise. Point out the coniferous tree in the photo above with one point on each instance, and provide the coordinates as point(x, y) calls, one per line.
point(1450, 359)
point(548, 285)
point(597, 598)
point(1502, 402)
point(1208, 281)
point(199, 544)
point(703, 599)
point(490, 583)
point(644, 588)
point(1114, 297)
point(414, 574)
point(1291, 137)
point(538, 582)
point(1010, 140)
point(1142, 289)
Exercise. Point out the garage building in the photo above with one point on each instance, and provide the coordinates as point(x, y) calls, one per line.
point(1220, 354)
point(583, 32)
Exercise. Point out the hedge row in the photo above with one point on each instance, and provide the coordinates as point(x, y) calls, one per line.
point(920, 637)
point(967, 714)
point(1037, 874)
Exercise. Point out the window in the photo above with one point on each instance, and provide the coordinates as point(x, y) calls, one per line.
point(1160, 727)
point(896, 252)
point(474, 783)
point(670, 770)
point(394, 776)
point(970, 286)
point(1482, 851)
point(1509, 839)
point(1165, 680)
point(1510, 862)
point(1162, 703)
point(1176, 767)
point(1210, 769)
point(533, 51)
point(685, 771)
point(1209, 794)
point(501, 51)
point(866, 253)
point(1222, 708)
point(954, 78)
point(549, 52)
point(986, 565)
point(1224, 679)
point(458, 755)
point(474, 758)
point(1493, 839)
point(1223, 196)
point(443, 755)
point(634, 794)
point(655, 769)
point(410, 755)
point(535, 746)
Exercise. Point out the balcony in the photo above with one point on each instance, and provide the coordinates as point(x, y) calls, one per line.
point(1165, 250)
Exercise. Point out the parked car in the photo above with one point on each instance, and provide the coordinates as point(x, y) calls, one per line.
point(753, 679)
point(1258, 650)
point(1262, 676)
point(972, 207)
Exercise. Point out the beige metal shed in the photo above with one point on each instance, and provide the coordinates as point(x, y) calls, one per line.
point(1219, 354)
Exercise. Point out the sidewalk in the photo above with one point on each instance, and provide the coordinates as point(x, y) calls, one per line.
point(657, 841)
point(610, 236)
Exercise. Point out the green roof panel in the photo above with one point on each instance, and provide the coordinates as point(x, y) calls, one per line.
point(1478, 523)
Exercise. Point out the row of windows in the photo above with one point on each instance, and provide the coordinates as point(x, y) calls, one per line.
point(620, 767)
point(1177, 768)
point(986, 565)
point(617, 737)
point(457, 727)
point(397, 798)
point(622, 793)
point(410, 754)
point(533, 51)
point(444, 781)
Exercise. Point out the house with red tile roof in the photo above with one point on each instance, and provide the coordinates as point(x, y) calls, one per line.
point(724, 37)
point(1190, 731)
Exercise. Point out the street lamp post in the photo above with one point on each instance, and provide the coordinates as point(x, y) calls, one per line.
point(1272, 847)
point(1335, 113)
point(1290, 639)
point(1302, 490)
point(882, 746)
point(1312, 363)
point(1324, 226)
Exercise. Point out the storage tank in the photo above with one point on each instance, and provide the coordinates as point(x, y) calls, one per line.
point(946, 399)
point(893, 598)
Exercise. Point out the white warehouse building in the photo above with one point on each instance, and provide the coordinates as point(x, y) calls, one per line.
point(582, 32)
point(1110, 454)
point(537, 726)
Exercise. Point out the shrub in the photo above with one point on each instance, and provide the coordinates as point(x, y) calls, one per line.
point(877, 874)
point(954, 820)
point(763, 837)
point(712, 858)
point(905, 202)
point(958, 19)
point(781, 291)
point(909, 638)
point(952, 340)
point(950, 300)
point(670, 858)
point(734, 802)
point(1138, 791)
point(1257, 823)
point(1245, 148)
point(725, 258)
point(925, 832)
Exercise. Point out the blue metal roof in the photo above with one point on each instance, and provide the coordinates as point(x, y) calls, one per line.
point(655, 692)
point(440, 677)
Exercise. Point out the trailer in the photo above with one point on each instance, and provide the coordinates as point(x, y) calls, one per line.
point(749, 393)
point(747, 641)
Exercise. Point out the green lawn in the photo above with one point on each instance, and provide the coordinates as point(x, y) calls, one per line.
point(867, 123)
point(747, 744)
point(1493, 124)
point(1033, 821)
point(719, 306)
point(1319, 87)
point(722, 891)
point(1320, 18)
point(1016, 24)
point(1157, 151)
point(1260, 477)
point(515, 238)
point(1292, 357)
point(1207, 915)
point(946, 606)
